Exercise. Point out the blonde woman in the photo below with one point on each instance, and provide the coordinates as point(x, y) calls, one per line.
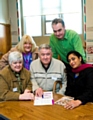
point(27, 47)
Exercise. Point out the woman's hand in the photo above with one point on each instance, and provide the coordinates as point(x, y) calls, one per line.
point(27, 91)
point(72, 104)
point(26, 96)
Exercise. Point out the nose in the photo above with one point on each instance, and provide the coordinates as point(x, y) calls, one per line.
point(27, 44)
point(70, 62)
point(45, 56)
point(18, 64)
point(57, 33)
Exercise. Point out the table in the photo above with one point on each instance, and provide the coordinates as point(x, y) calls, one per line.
point(25, 110)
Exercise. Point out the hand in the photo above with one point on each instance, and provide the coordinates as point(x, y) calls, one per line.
point(72, 104)
point(27, 91)
point(39, 92)
point(26, 96)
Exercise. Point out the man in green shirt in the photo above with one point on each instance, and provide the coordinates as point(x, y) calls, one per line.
point(62, 41)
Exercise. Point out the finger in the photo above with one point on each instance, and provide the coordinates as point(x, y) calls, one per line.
point(72, 107)
point(68, 106)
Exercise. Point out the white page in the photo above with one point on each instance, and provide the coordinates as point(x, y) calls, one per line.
point(47, 99)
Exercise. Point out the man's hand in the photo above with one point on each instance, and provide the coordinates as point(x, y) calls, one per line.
point(39, 92)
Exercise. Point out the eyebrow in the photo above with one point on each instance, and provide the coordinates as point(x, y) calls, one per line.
point(57, 30)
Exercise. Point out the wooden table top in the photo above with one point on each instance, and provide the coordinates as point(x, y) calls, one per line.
point(25, 110)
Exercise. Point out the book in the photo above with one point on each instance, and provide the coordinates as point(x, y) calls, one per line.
point(62, 101)
point(46, 99)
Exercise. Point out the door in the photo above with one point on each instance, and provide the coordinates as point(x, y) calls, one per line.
point(5, 39)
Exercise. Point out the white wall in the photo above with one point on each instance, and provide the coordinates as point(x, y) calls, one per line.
point(89, 30)
point(13, 20)
point(4, 14)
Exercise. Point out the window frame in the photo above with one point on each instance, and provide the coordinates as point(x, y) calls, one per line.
point(44, 21)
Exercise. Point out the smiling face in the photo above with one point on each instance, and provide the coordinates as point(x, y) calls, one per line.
point(45, 56)
point(27, 46)
point(59, 30)
point(16, 66)
point(74, 61)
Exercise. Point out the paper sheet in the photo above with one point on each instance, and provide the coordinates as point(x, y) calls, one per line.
point(46, 99)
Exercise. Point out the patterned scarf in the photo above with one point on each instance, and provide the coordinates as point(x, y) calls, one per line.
point(17, 75)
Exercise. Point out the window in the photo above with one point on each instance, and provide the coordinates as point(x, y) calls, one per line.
point(38, 14)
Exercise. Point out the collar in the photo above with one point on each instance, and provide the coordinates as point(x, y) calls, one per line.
point(25, 54)
point(65, 36)
point(46, 68)
point(22, 77)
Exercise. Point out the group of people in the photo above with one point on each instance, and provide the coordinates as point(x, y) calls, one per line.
point(27, 70)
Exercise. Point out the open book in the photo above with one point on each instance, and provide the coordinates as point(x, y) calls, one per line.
point(46, 99)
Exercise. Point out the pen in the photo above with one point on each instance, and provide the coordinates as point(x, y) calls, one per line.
point(42, 96)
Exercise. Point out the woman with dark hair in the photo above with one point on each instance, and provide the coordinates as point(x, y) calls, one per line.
point(79, 81)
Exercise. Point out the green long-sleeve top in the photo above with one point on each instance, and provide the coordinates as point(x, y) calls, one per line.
point(71, 41)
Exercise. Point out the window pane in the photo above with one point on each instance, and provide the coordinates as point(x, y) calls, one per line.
point(73, 21)
point(72, 15)
point(51, 17)
point(33, 11)
point(32, 25)
point(50, 7)
point(50, 3)
point(49, 11)
point(71, 6)
point(48, 28)
point(31, 7)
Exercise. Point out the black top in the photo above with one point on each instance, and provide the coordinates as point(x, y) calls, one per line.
point(80, 85)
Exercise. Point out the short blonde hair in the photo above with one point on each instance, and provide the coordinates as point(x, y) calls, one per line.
point(15, 57)
point(26, 38)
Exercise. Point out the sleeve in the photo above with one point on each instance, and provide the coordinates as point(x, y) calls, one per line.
point(69, 88)
point(64, 80)
point(5, 93)
point(78, 46)
point(35, 54)
point(4, 59)
point(51, 43)
point(33, 80)
point(87, 95)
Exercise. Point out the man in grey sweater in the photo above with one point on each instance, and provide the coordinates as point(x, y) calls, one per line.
point(46, 70)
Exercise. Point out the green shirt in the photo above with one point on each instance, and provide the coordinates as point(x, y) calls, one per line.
point(71, 41)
